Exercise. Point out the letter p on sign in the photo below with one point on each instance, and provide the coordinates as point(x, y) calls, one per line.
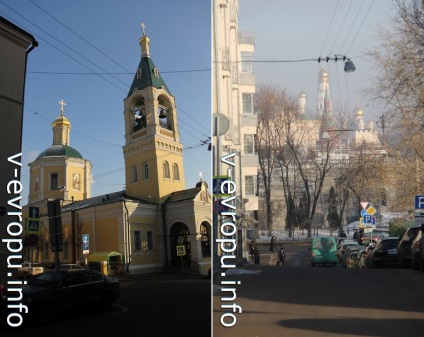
point(419, 202)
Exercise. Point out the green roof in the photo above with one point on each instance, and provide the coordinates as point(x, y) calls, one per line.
point(59, 151)
point(148, 78)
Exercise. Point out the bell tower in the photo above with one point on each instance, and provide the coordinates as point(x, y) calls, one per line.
point(153, 153)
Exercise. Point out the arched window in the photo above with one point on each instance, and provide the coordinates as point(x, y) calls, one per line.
point(166, 173)
point(134, 173)
point(138, 73)
point(205, 242)
point(176, 172)
point(146, 170)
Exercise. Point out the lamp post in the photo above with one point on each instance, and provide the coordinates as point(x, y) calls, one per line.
point(349, 67)
point(339, 200)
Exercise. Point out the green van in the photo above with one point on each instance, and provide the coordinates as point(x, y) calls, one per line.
point(323, 251)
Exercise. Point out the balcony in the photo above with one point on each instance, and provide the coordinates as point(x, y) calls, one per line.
point(245, 37)
point(247, 79)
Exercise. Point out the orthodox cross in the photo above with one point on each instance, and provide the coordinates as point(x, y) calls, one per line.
point(143, 26)
point(62, 104)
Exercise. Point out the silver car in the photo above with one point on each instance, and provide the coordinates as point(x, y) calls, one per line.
point(29, 270)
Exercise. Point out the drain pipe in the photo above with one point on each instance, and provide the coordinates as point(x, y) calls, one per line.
point(164, 233)
point(127, 236)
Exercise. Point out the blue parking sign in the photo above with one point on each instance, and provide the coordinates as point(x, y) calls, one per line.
point(419, 202)
point(216, 188)
point(85, 243)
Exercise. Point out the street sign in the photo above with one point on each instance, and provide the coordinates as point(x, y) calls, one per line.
point(419, 218)
point(419, 202)
point(33, 225)
point(364, 204)
point(218, 207)
point(368, 219)
point(34, 212)
point(181, 251)
point(85, 244)
point(33, 222)
point(217, 182)
point(364, 212)
point(371, 210)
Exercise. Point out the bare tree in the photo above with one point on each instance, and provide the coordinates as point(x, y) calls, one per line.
point(77, 235)
point(270, 101)
point(400, 87)
point(296, 150)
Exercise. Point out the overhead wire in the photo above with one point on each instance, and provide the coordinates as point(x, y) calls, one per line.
point(353, 23)
point(360, 27)
point(70, 48)
point(341, 27)
point(329, 27)
point(107, 56)
point(92, 71)
point(82, 38)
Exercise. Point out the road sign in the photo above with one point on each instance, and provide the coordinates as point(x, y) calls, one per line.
point(181, 251)
point(33, 225)
point(34, 212)
point(217, 182)
point(368, 219)
point(218, 207)
point(371, 210)
point(419, 202)
point(363, 213)
point(85, 244)
point(364, 204)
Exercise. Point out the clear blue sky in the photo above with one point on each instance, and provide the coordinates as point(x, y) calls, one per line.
point(65, 66)
point(306, 29)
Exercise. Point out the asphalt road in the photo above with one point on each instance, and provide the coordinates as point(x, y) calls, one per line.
point(171, 305)
point(298, 300)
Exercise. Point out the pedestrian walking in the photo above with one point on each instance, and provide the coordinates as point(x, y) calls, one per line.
point(257, 255)
point(281, 256)
point(252, 247)
point(272, 244)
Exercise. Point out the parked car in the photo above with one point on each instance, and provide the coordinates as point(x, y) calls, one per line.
point(404, 246)
point(421, 238)
point(71, 266)
point(416, 251)
point(365, 258)
point(384, 252)
point(340, 240)
point(347, 252)
point(343, 247)
point(323, 251)
point(352, 258)
point(362, 258)
point(29, 270)
point(375, 235)
point(355, 250)
point(72, 289)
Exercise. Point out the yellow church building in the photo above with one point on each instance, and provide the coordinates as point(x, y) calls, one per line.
point(154, 224)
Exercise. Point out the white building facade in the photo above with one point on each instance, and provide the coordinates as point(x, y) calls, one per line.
point(235, 120)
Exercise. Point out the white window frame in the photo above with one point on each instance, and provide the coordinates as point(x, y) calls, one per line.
point(249, 185)
point(247, 101)
point(249, 144)
point(137, 233)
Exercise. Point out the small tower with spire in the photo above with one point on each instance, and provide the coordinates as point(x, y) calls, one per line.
point(153, 152)
point(60, 172)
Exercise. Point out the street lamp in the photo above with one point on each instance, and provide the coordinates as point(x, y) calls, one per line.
point(349, 67)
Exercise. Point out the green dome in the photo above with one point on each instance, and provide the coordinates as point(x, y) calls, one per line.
point(60, 150)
